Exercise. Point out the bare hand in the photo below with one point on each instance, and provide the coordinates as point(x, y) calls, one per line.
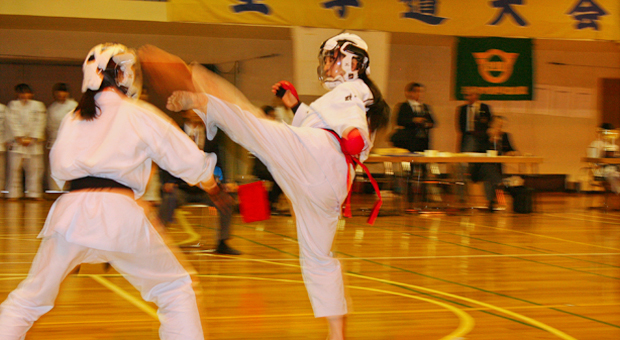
point(185, 100)
point(222, 200)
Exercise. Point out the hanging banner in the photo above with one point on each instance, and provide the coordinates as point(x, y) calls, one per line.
point(496, 68)
point(567, 19)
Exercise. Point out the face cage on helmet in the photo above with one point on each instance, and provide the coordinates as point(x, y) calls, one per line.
point(132, 73)
point(97, 66)
point(343, 50)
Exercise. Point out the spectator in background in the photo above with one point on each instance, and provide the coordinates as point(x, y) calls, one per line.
point(261, 172)
point(281, 113)
point(63, 104)
point(491, 173)
point(415, 120)
point(473, 119)
point(26, 121)
point(176, 192)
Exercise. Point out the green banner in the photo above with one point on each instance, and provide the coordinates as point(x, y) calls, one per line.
point(497, 68)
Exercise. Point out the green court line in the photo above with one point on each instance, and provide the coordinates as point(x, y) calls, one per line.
point(495, 253)
point(396, 285)
point(430, 277)
point(508, 245)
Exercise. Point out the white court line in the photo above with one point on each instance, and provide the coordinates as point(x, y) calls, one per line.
point(414, 257)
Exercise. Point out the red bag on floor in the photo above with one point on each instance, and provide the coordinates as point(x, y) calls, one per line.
point(253, 202)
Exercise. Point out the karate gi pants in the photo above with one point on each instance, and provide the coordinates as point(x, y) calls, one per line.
point(34, 166)
point(308, 164)
point(153, 270)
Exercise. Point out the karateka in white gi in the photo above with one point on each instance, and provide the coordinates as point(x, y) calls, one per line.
point(105, 150)
point(306, 160)
point(62, 105)
point(26, 119)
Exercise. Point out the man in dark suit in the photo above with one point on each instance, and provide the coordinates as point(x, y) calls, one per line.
point(474, 118)
point(175, 192)
point(415, 120)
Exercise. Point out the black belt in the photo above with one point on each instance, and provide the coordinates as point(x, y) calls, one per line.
point(91, 182)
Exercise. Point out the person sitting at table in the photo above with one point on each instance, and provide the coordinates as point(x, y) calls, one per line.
point(491, 173)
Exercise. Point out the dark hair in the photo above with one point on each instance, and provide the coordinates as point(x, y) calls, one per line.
point(412, 86)
point(87, 107)
point(607, 126)
point(378, 113)
point(60, 87)
point(267, 109)
point(23, 88)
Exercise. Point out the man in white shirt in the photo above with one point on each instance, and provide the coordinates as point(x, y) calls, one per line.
point(63, 104)
point(26, 120)
point(473, 122)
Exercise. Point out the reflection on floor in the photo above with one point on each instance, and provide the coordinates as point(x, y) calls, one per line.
point(463, 274)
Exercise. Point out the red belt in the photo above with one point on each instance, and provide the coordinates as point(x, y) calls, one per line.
point(355, 161)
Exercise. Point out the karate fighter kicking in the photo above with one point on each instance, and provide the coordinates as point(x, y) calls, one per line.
point(309, 160)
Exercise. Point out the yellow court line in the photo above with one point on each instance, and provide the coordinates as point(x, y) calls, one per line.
point(125, 295)
point(29, 239)
point(18, 253)
point(466, 322)
point(533, 322)
point(13, 277)
point(80, 322)
point(587, 218)
point(193, 236)
point(425, 257)
point(531, 234)
point(606, 217)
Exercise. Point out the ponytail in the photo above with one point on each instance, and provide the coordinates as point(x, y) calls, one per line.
point(87, 107)
point(378, 113)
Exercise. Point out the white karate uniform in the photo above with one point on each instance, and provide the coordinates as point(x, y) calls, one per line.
point(26, 120)
point(55, 113)
point(99, 226)
point(308, 164)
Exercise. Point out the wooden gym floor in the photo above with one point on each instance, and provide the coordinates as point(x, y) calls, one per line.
point(553, 274)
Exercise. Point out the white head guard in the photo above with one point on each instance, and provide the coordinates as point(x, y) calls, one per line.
point(351, 47)
point(126, 60)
